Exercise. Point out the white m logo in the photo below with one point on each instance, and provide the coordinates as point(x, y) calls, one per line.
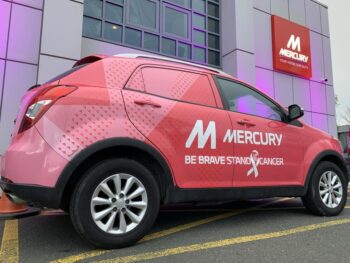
point(198, 130)
point(294, 43)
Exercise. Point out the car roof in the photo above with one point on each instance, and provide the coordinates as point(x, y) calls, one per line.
point(173, 61)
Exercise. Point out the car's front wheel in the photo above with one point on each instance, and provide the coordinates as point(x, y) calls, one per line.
point(327, 191)
point(115, 203)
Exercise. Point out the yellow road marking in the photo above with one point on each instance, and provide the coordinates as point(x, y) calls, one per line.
point(223, 243)
point(170, 231)
point(9, 252)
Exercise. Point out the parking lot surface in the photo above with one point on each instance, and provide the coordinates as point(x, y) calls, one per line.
point(270, 230)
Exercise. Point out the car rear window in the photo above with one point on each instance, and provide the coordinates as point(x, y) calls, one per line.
point(179, 85)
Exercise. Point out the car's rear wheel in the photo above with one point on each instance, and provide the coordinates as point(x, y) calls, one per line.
point(327, 191)
point(115, 203)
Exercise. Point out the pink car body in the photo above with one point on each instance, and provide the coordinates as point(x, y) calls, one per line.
point(103, 105)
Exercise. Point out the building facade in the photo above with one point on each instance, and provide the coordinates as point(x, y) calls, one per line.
point(41, 38)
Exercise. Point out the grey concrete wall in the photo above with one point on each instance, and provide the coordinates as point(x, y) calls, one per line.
point(255, 65)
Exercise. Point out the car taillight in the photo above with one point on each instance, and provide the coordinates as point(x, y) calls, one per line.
point(41, 103)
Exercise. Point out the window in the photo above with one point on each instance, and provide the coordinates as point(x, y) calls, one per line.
point(114, 13)
point(143, 13)
point(199, 21)
point(133, 37)
point(199, 37)
point(169, 46)
point(199, 54)
point(199, 5)
point(151, 42)
point(242, 99)
point(176, 22)
point(93, 27)
point(93, 8)
point(178, 85)
point(184, 50)
point(185, 29)
point(113, 32)
point(185, 3)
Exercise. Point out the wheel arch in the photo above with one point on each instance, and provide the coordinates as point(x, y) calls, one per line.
point(113, 148)
point(331, 156)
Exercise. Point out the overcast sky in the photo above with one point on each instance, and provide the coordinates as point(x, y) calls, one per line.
point(339, 20)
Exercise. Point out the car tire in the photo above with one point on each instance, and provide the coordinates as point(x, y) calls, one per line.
point(91, 200)
point(327, 190)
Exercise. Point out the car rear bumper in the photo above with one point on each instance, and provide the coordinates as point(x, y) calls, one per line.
point(45, 196)
point(30, 160)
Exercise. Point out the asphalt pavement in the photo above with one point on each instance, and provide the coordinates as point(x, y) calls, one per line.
point(270, 230)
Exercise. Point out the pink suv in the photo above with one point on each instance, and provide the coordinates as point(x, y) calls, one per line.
point(116, 137)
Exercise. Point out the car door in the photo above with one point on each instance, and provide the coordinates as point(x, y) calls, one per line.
point(176, 111)
point(267, 150)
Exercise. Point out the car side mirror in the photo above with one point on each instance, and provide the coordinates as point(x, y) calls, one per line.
point(295, 112)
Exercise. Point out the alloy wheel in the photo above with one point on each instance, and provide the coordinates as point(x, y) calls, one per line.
point(119, 203)
point(330, 189)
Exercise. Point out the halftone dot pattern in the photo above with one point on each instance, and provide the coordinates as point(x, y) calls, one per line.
point(70, 128)
point(136, 82)
point(118, 71)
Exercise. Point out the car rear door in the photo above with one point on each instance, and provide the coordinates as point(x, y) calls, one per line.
point(177, 112)
point(267, 150)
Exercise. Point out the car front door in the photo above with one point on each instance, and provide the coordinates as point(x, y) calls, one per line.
point(267, 150)
point(177, 112)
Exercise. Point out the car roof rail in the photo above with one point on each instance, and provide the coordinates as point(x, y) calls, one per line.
point(132, 55)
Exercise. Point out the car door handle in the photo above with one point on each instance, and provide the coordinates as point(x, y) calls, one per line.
point(147, 102)
point(246, 123)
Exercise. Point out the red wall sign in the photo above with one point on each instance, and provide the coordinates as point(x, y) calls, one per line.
point(291, 47)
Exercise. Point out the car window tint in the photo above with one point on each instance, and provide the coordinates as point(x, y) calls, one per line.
point(240, 98)
point(179, 85)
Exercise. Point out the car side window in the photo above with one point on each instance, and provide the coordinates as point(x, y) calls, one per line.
point(242, 99)
point(179, 85)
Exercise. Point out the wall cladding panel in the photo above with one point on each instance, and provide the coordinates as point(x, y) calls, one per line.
point(332, 126)
point(2, 69)
point(263, 40)
point(328, 73)
point(280, 8)
point(283, 88)
point(33, 3)
point(318, 97)
point(244, 25)
point(245, 66)
point(24, 38)
point(307, 117)
point(5, 8)
point(324, 21)
point(317, 57)
point(330, 100)
point(52, 66)
point(297, 11)
point(320, 121)
point(264, 5)
point(227, 26)
point(313, 16)
point(264, 81)
point(14, 89)
point(56, 39)
point(302, 94)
